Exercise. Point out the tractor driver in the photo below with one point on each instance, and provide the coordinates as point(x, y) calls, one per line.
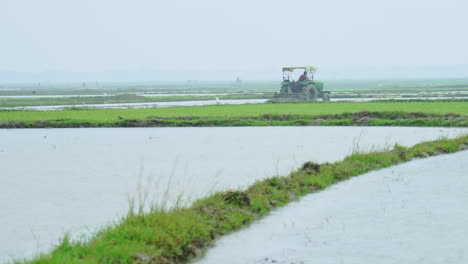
point(303, 77)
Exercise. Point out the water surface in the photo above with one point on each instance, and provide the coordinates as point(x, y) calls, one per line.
point(140, 105)
point(75, 180)
point(411, 213)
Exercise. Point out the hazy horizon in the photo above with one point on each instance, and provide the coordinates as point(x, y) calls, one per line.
point(220, 40)
point(336, 74)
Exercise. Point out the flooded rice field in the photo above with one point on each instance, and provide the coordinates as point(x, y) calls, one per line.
point(204, 102)
point(411, 213)
point(140, 105)
point(191, 100)
point(77, 180)
point(114, 94)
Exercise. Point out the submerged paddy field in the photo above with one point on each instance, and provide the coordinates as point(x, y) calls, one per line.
point(427, 113)
point(79, 180)
point(79, 94)
point(76, 100)
point(180, 234)
point(123, 98)
point(247, 86)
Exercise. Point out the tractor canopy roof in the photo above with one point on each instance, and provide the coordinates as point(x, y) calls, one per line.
point(307, 68)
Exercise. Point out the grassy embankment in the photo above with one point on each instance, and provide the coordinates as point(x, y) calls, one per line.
point(390, 96)
point(296, 114)
point(180, 234)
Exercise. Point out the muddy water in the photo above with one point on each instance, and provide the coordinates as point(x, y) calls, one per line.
point(411, 213)
point(75, 180)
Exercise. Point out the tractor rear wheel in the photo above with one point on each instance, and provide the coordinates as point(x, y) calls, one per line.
point(305, 93)
point(313, 92)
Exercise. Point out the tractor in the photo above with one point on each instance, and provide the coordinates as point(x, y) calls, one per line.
point(304, 89)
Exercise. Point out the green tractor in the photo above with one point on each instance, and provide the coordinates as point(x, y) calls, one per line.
point(304, 89)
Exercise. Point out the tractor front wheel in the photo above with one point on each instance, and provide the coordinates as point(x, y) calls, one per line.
point(326, 97)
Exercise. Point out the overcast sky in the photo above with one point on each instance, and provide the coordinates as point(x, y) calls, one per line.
point(210, 35)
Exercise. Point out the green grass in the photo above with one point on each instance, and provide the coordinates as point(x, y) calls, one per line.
point(180, 234)
point(226, 111)
point(433, 113)
point(358, 119)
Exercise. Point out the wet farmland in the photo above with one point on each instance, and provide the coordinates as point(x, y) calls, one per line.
point(76, 180)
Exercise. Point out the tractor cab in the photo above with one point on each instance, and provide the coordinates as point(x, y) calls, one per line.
point(288, 73)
